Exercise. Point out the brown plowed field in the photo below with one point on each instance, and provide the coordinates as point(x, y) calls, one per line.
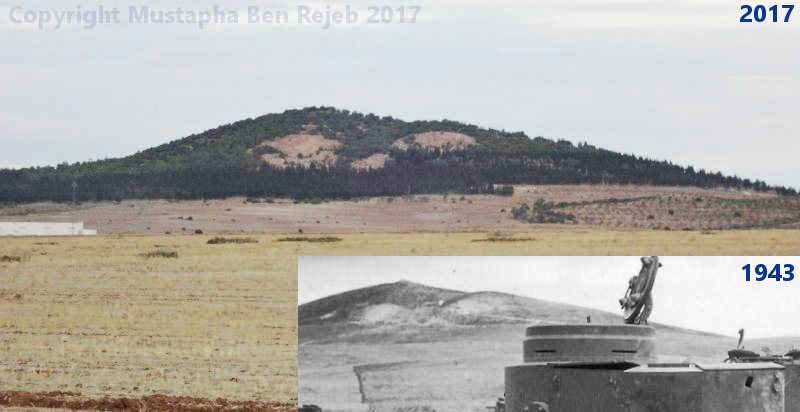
point(75, 402)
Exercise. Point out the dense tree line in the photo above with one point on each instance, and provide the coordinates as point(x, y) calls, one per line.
point(221, 163)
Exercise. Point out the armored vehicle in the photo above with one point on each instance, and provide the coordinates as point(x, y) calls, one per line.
point(611, 368)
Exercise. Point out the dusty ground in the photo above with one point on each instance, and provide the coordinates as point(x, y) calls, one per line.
point(595, 207)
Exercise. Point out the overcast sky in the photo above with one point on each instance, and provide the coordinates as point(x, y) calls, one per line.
point(677, 80)
point(702, 293)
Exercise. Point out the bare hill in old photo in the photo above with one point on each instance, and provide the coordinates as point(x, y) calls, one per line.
point(407, 304)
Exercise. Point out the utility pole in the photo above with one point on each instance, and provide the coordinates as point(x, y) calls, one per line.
point(74, 192)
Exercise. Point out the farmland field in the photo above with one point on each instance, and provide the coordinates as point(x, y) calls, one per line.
point(591, 207)
point(141, 316)
point(112, 317)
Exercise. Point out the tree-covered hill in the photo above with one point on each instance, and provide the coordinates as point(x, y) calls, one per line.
point(240, 159)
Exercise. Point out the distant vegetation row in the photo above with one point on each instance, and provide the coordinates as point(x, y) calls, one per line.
point(221, 163)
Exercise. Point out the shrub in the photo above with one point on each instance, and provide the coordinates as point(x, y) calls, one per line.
point(506, 190)
point(542, 212)
point(521, 212)
point(326, 239)
point(505, 239)
point(161, 254)
point(223, 240)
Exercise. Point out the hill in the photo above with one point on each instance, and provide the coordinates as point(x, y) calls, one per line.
point(405, 305)
point(410, 304)
point(329, 153)
point(362, 305)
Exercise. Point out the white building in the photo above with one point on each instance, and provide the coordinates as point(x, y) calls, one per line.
point(44, 229)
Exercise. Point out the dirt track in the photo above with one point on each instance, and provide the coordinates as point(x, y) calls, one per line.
point(75, 401)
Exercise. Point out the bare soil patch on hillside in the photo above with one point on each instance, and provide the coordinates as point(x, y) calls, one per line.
point(436, 140)
point(375, 161)
point(441, 140)
point(301, 150)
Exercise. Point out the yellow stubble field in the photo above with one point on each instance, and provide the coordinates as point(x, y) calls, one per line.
point(124, 316)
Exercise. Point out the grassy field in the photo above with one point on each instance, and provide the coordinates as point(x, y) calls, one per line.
point(124, 315)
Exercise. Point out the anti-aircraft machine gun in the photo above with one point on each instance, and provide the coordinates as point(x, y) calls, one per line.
point(610, 368)
point(638, 300)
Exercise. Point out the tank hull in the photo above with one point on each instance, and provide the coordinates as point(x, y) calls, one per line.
point(598, 368)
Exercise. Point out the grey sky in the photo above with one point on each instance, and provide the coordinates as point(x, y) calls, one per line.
point(677, 80)
point(702, 293)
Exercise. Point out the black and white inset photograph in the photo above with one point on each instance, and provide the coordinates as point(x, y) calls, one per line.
point(554, 334)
